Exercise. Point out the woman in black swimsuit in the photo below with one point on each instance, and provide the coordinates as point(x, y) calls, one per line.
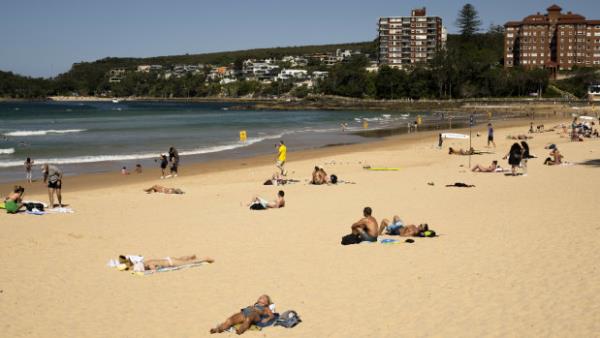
point(259, 312)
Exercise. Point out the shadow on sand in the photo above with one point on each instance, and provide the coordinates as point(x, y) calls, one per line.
point(593, 163)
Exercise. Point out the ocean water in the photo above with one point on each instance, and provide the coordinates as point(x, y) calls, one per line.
point(104, 136)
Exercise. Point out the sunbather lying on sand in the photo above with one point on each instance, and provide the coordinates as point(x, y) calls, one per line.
point(490, 169)
point(259, 312)
point(14, 201)
point(138, 263)
point(397, 228)
point(452, 151)
point(258, 203)
point(164, 190)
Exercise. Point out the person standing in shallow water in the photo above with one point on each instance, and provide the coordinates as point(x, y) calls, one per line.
point(28, 168)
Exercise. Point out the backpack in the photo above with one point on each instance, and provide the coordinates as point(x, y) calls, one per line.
point(351, 239)
point(288, 319)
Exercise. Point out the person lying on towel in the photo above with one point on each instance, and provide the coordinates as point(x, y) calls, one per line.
point(139, 264)
point(397, 228)
point(258, 313)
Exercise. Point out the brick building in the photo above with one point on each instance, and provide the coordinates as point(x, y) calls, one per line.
point(554, 40)
point(410, 39)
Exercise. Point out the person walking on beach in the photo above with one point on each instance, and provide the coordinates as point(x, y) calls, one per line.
point(164, 162)
point(53, 176)
point(28, 168)
point(490, 135)
point(174, 159)
point(281, 158)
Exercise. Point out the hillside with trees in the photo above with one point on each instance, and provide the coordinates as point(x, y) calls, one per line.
point(471, 66)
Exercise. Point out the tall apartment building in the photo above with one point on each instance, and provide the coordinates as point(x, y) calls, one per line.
point(553, 40)
point(408, 40)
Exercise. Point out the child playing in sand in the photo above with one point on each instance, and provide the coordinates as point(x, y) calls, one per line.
point(260, 312)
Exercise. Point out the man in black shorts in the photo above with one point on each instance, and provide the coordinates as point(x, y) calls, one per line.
point(53, 176)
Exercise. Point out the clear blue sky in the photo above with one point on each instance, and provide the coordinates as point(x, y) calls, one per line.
point(44, 37)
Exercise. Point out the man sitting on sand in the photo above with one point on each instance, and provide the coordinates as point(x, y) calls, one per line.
point(258, 203)
point(490, 169)
point(365, 229)
point(139, 264)
point(452, 151)
point(164, 190)
point(14, 202)
point(397, 228)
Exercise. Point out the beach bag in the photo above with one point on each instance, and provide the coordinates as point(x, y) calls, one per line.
point(31, 206)
point(288, 319)
point(334, 179)
point(351, 239)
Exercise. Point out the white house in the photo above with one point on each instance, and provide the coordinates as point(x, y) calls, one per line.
point(292, 74)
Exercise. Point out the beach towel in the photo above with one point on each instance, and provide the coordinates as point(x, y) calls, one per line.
point(2, 205)
point(61, 210)
point(170, 268)
point(382, 169)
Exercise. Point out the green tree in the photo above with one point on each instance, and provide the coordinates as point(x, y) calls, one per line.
point(468, 21)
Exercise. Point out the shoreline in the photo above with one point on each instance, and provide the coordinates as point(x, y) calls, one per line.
point(387, 139)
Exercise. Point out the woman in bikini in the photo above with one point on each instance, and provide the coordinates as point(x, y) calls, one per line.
point(260, 312)
point(138, 263)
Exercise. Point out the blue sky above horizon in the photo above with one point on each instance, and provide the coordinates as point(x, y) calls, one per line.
point(44, 38)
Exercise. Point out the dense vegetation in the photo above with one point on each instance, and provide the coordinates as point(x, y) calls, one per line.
point(471, 66)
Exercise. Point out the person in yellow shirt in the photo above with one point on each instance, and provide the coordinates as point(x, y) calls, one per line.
point(281, 158)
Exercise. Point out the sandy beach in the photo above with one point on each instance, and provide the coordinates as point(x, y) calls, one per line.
point(515, 256)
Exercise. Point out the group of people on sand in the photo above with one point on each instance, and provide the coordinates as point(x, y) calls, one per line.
point(173, 158)
point(52, 177)
point(320, 176)
point(366, 229)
